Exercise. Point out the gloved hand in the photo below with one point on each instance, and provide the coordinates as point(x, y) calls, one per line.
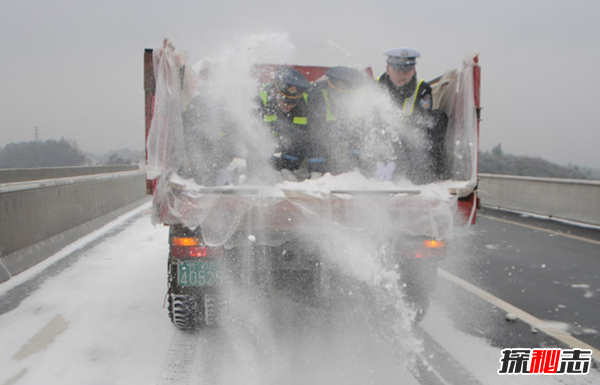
point(234, 173)
point(384, 171)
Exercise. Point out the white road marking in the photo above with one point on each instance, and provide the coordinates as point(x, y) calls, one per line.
point(537, 323)
point(593, 241)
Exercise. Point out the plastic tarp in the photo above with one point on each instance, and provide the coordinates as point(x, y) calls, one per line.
point(174, 88)
point(273, 213)
point(454, 94)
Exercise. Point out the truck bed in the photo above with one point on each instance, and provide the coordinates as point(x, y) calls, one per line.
point(271, 215)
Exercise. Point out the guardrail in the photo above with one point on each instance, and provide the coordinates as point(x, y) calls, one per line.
point(39, 217)
point(29, 174)
point(567, 199)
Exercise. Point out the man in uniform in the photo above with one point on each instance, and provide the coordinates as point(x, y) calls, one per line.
point(283, 107)
point(335, 140)
point(414, 99)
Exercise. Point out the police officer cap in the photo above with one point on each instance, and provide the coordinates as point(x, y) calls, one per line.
point(290, 83)
point(402, 58)
point(344, 78)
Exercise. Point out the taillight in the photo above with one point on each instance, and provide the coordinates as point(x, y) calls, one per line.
point(422, 254)
point(433, 244)
point(185, 241)
point(192, 247)
point(430, 248)
point(191, 251)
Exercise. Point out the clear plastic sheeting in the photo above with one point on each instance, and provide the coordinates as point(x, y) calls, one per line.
point(175, 84)
point(260, 206)
point(271, 215)
point(454, 94)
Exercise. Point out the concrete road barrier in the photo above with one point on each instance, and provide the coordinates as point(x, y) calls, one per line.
point(568, 199)
point(12, 175)
point(36, 217)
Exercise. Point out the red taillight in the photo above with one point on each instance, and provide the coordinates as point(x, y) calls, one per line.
point(430, 248)
point(189, 251)
point(422, 254)
point(433, 244)
point(185, 241)
point(191, 247)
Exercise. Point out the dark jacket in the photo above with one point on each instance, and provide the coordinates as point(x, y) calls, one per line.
point(424, 160)
point(289, 130)
point(420, 105)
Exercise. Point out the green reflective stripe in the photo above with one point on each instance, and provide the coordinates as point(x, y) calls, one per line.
point(407, 109)
point(330, 115)
point(415, 96)
point(300, 120)
point(264, 96)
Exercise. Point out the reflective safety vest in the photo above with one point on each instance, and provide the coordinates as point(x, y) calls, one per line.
point(409, 107)
point(330, 115)
point(409, 103)
point(302, 120)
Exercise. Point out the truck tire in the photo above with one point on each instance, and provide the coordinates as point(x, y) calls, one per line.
point(193, 311)
point(418, 280)
point(185, 311)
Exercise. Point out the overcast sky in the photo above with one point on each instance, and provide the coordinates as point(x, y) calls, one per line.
point(73, 68)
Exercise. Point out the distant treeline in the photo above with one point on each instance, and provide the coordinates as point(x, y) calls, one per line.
point(496, 162)
point(64, 153)
point(49, 153)
point(59, 153)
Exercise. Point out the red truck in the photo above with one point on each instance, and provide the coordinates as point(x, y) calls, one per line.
point(322, 241)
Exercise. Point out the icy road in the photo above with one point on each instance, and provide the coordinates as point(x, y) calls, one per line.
point(94, 314)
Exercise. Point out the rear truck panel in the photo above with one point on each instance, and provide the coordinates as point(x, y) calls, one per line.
point(297, 212)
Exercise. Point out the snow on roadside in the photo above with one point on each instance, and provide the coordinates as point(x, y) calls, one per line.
point(110, 306)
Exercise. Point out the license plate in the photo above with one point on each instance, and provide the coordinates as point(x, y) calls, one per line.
point(197, 273)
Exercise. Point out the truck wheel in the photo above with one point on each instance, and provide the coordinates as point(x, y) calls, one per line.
point(184, 311)
point(419, 280)
point(192, 311)
point(419, 302)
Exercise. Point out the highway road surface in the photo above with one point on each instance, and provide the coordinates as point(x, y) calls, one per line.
point(94, 314)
